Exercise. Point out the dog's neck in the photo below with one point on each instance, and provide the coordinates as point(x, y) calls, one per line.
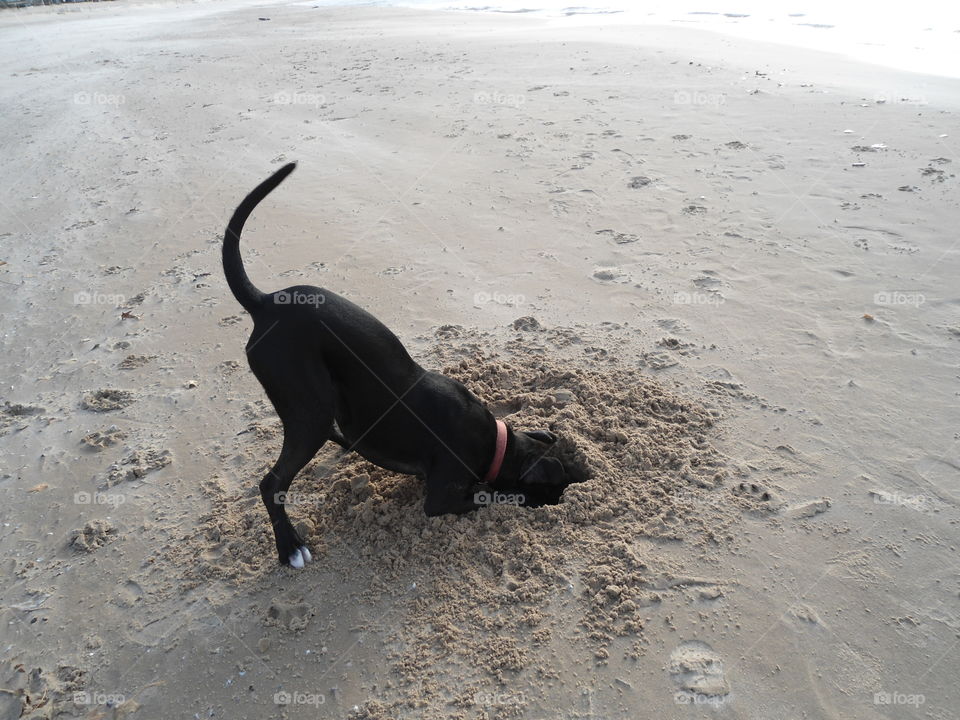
point(499, 452)
point(511, 467)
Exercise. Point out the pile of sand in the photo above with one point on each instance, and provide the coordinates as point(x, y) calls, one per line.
point(486, 580)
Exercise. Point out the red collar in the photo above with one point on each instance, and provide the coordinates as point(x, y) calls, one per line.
point(498, 454)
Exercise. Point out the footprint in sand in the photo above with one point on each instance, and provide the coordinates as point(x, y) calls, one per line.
point(657, 360)
point(803, 615)
point(15, 417)
point(107, 400)
point(80, 224)
point(136, 465)
point(759, 499)
point(672, 325)
point(100, 439)
point(131, 362)
point(95, 534)
point(618, 237)
point(128, 595)
point(288, 615)
point(39, 692)
point(809, 508)
point(697, 670)
point(609, 274)
point(752, 490)
point(228, 367)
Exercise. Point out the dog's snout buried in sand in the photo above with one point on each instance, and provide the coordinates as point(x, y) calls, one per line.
point(335, 372)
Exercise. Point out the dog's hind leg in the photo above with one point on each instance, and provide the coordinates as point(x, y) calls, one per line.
point(303, 402)
point(299, 447)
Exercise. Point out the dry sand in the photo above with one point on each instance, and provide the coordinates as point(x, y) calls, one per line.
point(721, 271)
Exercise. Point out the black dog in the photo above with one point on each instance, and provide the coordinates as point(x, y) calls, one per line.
point(335, 372)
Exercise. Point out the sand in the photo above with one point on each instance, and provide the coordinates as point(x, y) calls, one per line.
point(722, 271)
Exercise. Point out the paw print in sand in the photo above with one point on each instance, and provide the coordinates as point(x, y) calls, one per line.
point(756, 497)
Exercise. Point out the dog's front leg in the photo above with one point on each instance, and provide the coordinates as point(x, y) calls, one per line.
point(448, 491)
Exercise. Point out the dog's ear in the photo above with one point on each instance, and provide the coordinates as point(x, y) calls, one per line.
point(544, 436)
point(543, 471)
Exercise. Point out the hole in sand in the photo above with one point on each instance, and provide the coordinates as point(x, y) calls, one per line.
point(575, 466)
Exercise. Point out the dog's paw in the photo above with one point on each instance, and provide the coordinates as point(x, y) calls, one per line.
point(300, 557)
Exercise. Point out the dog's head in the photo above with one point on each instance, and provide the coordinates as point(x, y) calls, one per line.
point(532, 464)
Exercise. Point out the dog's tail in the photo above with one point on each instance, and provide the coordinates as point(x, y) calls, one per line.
point(243, 290)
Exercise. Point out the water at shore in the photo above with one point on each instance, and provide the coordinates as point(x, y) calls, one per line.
point(921, 36)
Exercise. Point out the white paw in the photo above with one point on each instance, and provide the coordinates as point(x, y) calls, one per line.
point(296, 560)
point(307, 557)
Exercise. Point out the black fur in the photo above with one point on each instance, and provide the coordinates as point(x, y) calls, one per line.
point(335, 372)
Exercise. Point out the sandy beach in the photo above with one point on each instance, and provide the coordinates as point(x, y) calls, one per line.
point(723, 271)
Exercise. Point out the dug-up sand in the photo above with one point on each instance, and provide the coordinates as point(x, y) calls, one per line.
point(499, 592)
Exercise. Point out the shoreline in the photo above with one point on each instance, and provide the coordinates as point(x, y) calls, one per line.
point(873, 78)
